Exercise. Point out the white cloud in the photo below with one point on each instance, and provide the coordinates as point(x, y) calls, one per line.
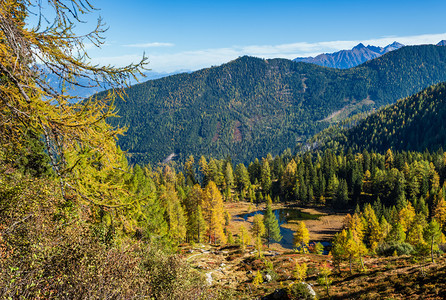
point(150, 45)
point(194, 60)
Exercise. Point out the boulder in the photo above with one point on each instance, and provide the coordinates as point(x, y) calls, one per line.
point(209, 279)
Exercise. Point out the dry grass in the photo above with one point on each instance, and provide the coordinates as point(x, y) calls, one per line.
point(385, 278)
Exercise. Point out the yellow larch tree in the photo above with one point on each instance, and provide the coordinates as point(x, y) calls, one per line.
point(440, 212)
point(373, 229)
point(173, 212)
point(301, 236)
point(81, 145)
point(214, 213)
point(406, 216)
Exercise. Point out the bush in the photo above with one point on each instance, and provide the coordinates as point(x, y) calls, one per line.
point(388, 249)
point(299, 291)
point(51, 250)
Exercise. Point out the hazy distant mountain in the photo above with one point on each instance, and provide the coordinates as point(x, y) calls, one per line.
point(84, 92)
point(442, 43)
point(345, 59)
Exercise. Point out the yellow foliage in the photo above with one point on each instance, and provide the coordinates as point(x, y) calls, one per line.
point(214, 212)
point(81, 145)
point(440, 212)
point(302, 236)
point(258, 227)
point(258, 279)
point(406, 216)
point(300, 272)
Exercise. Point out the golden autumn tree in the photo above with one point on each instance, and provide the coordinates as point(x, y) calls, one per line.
point(302, 236)
point(81, 145)
point(213, 213)
point(348, 246)
point(243, 238)
point(440, 212)
point(406, 216)
point(173, 212)
point(373, 229)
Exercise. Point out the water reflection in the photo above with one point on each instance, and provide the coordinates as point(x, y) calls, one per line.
point(286, 215)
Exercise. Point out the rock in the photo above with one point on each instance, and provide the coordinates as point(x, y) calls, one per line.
point(268, 278)
point(310, 289)
point(209, 280)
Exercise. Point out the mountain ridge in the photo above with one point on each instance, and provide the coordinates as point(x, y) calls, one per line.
point(345, 59)
point(251, 106)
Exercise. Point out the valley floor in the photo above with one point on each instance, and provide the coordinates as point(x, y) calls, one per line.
point(233, 270)
point(385, 278)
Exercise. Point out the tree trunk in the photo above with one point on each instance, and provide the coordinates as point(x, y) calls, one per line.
point(350, 261)
point(362, 264)
point(326, 285)
point(432, 249)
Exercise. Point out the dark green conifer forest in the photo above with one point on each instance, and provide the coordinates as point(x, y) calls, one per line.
point(251, 106)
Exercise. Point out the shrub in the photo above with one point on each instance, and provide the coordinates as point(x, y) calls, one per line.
point(51, 250)
point(299, 291)
point(388, 249)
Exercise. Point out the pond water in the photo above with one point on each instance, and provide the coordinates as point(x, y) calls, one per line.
point(285, 215)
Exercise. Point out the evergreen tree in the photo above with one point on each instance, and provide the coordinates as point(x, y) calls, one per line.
point(432, 234)
point(272, 228)
point(242, 177)
point(341, 198)
point(396, 234)
point(229, 176)
point(265, 177)
point(196, 225)
point(189, 169)
point(373, 229)
point(385, 228)
point(204, 170)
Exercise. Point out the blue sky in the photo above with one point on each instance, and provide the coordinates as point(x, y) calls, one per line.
point(193, 34)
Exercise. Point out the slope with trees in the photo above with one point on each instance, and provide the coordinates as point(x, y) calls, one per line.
point(251, 106)
point(415, 123)
point(75, 221)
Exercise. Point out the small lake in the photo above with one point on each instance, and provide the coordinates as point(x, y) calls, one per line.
point(286, 215)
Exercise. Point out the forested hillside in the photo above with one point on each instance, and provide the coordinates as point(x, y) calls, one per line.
point(416, 123)
point(252, 106)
